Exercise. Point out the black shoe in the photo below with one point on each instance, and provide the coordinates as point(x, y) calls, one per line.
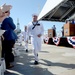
point(26, 50)
point(36, 63)
point(10, 66)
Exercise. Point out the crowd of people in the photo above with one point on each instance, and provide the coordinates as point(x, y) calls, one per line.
point(34, 29)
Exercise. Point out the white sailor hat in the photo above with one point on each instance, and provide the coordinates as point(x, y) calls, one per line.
point(35, 14)
point(5, 7)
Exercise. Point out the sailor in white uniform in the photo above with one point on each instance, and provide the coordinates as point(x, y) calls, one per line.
point(36, 30)
point(20, 38)
point(25, 37)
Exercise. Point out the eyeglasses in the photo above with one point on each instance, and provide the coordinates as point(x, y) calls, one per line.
point(6, 12)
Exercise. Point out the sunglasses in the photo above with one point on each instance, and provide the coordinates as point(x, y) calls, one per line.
point(6, 11)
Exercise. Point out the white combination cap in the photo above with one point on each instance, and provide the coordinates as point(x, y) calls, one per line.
point(35, 14)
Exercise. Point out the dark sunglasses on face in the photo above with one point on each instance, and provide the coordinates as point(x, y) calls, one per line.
point(6, 11)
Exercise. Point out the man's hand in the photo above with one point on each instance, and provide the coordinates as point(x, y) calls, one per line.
point(39, 35)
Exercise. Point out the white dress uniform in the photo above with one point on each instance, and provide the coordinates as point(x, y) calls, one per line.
point(25, 35)
point(36, 41)
point(20, 38)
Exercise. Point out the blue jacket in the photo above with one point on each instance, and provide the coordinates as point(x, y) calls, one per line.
point(9, 26)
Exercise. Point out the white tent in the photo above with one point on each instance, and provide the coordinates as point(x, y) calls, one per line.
point(57, 10)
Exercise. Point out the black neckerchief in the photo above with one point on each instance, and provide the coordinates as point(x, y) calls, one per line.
point(34, 25)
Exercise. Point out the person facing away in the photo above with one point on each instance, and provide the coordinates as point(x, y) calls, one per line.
point(25, 36)
point(36, 30)
point(9, 39)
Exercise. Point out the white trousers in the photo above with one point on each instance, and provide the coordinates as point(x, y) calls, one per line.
point(36, 55)
point(36, 43)
point(26, 45)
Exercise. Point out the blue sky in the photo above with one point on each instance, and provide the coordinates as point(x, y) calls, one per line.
point(23, 9)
